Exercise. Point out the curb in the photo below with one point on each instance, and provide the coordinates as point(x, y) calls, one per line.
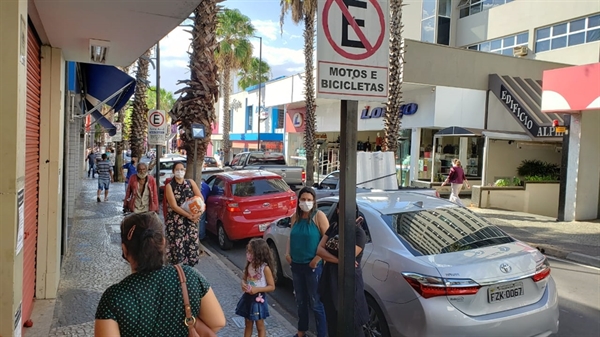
point(274, 311)
point(570, 256)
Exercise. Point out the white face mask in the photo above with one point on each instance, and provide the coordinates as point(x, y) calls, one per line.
point(306, 205)
point(179, 174)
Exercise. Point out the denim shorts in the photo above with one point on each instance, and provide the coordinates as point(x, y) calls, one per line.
point(103, 184)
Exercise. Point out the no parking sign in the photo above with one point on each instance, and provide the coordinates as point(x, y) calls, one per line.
point(157, 127)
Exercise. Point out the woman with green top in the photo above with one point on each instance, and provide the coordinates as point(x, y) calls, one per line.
point(308, 226)
point(149, 302)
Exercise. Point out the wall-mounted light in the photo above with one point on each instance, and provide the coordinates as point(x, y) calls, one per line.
point(99, 50)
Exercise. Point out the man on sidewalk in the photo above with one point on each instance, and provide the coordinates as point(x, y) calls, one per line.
point(131, 170)
point(105, 177)
point(91, 159)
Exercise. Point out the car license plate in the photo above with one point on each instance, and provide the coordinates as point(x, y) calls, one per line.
point(505, 292)
point(263, 227)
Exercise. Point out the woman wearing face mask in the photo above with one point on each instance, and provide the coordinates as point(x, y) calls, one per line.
point(141, 195)
point(308, 226)
point(181, 227)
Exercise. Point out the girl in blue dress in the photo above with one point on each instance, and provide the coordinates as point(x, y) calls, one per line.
point(258, 279)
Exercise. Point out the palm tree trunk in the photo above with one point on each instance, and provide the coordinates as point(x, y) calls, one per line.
point(119, 148)
point(139, 124)
point(226, 116)
point(309, 95)
point(392, 120)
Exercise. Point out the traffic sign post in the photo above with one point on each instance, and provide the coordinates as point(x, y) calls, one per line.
point(353, 49)
point(119, 134)
point(157, 128)
point(352, 65)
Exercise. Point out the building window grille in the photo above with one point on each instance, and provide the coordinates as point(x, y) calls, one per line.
point(567, 34)
point(504, 45)
point(470, 7)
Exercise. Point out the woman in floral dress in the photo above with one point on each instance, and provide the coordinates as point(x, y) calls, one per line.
point(181, 227)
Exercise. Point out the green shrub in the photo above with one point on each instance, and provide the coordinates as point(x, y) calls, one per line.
point(515, 181)
point(538, 168)
point(540, 178)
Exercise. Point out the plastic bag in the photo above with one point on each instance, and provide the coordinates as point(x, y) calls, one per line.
point(194, 205)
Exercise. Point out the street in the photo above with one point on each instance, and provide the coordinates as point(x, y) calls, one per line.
point(578, 290)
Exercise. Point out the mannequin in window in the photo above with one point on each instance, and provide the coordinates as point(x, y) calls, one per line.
point(378, 142)
point(367, 145)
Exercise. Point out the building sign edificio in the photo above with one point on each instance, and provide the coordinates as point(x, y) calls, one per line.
point(524, 117)
point(378, 112)
point(353, 49)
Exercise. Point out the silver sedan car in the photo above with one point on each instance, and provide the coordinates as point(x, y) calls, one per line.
point(432, 268)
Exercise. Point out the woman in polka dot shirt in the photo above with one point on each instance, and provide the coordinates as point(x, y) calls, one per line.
point(149, 302)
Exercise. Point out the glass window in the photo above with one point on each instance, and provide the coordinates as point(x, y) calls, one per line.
point(476, 8)
point(543, 33)
point(592, 35)
point(496, 44)
point(576, 39)
point(507, 52)
point(428, 30)
point(542, 46)
point(577, 25)
point(559, 29)
point(475, 47)
point(266, 159)
point(443, 33)
point(594, 21)
point(485, 46)
point(509, 41)
point(522, 38)
point(503, 46)
point(487, 4)
point(259, 187)
point(445, 230)
point(428, 8)
point(559, 42)
point(445, 7)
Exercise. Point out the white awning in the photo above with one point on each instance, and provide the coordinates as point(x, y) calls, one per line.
point(506, 136)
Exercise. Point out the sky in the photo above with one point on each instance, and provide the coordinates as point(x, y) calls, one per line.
point(283, 53)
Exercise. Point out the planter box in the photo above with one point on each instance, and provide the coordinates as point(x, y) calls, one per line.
point(535, 197)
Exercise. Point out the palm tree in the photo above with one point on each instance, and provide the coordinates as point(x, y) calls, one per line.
point(305, 11)
point(391, 121)
point(167, 100)
point(258, 72)
point(234, 52)
point(201, 91)
point(119, 149)
point(139, 124)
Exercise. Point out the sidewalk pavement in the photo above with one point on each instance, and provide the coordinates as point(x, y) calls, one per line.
point(577, 241)
point(93, 262)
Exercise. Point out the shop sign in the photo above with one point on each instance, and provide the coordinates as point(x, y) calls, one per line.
point(297, 119)
point(353, 49)
point(524, 117)
point(378, 112)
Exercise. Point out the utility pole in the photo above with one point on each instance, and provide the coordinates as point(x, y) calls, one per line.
point(157, 163)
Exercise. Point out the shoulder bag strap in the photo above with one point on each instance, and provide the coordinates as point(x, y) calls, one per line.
point(190, 320)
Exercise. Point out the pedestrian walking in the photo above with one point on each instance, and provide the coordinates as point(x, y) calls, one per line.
point(131, 170)
point(141, 195)
point(111, 156)
point(456, 179)
point(149, 302)
point(91, 159)
point(105, 177)
point(181, 226)
point(257, 281)
point(205, 191)
point(328, 284)
point(308, 227)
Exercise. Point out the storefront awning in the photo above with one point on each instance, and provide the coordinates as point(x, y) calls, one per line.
point(457, 131)
point(571, 89)
point(105, 85)
point(522, 99)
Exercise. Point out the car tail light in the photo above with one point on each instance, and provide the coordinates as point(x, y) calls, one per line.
point(303, 176)
point(233, 207)
point(431, 286)
point(542, 271)
point(293, 201)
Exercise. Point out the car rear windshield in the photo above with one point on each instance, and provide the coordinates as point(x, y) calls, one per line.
point(167, 165)
point(259, 187)
point(210, 160)
point(444, 230)
point(266, 159)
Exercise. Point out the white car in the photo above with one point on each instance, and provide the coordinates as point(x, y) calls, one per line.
point(432, 268)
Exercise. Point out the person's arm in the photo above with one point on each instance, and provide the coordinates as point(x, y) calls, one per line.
point(154, 194)
point(449, 177)
point(323, 225)
point(106, 328)
point(112, 177)
point(171, 200)
point(270, 283)
point(211, 312)
point(465, 179)
point(288, 257)
point(323, 253)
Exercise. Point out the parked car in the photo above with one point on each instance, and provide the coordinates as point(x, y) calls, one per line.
point(294, 176)
point(330, 186)
point(242, 204)
point(432, 268)
point(210, 162)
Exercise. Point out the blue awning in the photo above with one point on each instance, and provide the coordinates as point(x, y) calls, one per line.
point(105, 85)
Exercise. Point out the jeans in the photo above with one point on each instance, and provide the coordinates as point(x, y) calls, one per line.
point(202, 227)
point(306, 281)
point(91, 170)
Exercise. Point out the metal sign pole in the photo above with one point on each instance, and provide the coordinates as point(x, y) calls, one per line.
point(347, 205)
point(157, 156)
point(195, 156)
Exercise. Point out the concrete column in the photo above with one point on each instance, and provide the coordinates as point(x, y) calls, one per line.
point(582, 174)
point(51, 172)
point(13, 87)
point(415, 150)
point(463, 152)
point(486, 151)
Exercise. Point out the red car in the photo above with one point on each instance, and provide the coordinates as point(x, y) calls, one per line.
point(242, 204)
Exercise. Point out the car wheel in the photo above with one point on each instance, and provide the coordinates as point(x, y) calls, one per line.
point(279, 271)
point(224, 241)
point(377, 326)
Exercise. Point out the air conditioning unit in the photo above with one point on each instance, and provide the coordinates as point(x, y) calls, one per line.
point(520, 51)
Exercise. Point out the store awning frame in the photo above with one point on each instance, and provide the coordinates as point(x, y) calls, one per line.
point(457, 131)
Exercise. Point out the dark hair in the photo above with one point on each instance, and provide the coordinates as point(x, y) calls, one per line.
point(104, 156)
point(261, 254)
point(142, 234)
point(311, 191)
point(175, 165)
point(335, 218)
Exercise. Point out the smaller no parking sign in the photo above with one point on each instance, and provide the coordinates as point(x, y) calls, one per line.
point(157, 127)
point(353, 49)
